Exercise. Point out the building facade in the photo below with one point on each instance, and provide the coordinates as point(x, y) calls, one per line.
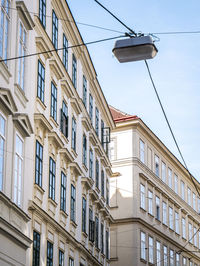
point(154, 203)
point(54, 131)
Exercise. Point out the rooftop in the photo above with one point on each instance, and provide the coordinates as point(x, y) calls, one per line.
point(119, 116)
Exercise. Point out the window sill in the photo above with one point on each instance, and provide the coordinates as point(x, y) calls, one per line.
point(165, 225)
point(85, 167)
point(84, 234)
point(38, 194)
point(5, 72)
point(158, 220)
point(64, 137)
point(20, 94)
point(142, 209)
point(63, 218)
point(52, 206)
point(143, 260)
point(97, 189)
point(171, 229)
point(74, 152)
point(151, 215)
point(53, 121)
point(73, 227)
point(41, 103)
point(73, 224)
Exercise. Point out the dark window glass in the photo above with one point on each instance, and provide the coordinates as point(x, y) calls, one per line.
point(65, 51)
point(84, 215)
point(71, 262)
point(52, 175)
point(97, 121)
point(42, 12)
point(73, 203)
point(63, 192)
point(54, 30)
point(49, 254)
point(61, 258)
point(107, 245)
point(85, 91)
point(53, 101)
point(91, 226)
point(91, 107)
point(102, 127)
point(74, 71)
point(84, 150)
point(40, 81)
point(91, 164)
point(97, 232)
point(102, 183)
point(107, 193)
point(36, 249)
point(97, 173)
point(38, 164)
point(64, 120)
point(73, 134)
point(102, 238)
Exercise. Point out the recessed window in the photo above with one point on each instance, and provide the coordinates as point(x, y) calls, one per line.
point(91, 107)
point(4, 28)
point(42, 12)
point(170, 177)
point(91, 226)
point(165, 256)
point(184, 261)
point(164, 213)
point(53, 101)
point(40, 81)
point(97, 121)
point(151, 248)
point(65, 52)
point(189, 196)
point(74, 71)
point(83, 215)
point(177, 259)
point(195, 236)
point(194, 200)
point(107, 245)
point(102, 183)
point(177, 223)
point(183, 228)
point(21, 52)
point(163, 172)
point(190, 233)
point(2, 149)
point(102, 238)
point(61, 258)
point(176, 184)
point(157, 208)
point(71, 262)
point(18, 170)
point(64, 120)
point(73, 203)
point(91, 164)
point(142, 196)
point(171, 218)
point(49, 253)
point(38, 164)
point(73, 134)
point(157, 165)
point(158, 253)
point(182, 190)
point(36, 248)
point(97, 173)
point(52, 176)
point(150, 202)
point(54, 30)
point(141, 151)
point(63, 192)
point(96, 232)
point(84, 91)
point(84, 150)
point(143, 245)
point(171, 257)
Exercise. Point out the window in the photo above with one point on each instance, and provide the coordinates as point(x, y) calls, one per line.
point(194, 200)
point(102, 183)
point(40, 81)
point(198, 205)
point(96, 232)
point(53, 101)
point(163, 172)
point(112, 149)
point(52, 175)
point(157, 165)
point(177, 222)
point(83, 215)
point(97, 121)
point(171, 219)
point(190, 238)
point(107, 192)
point(165, 256)
point(142, 196)
point(54, 30)
point(49, 254)
point(65, 51)
point(97, 173)
point(176, 184)
point(38, 164)
point(171, 257)
point(150, 202)
point(73, 134)
point(189, 196)
point(170, 177)
point(71, 262)
point(73, 203)
point(64, 120)
point(157, 208)
point(195, 236)
point(151, 249)
point(182, 190)
point(141, 151)
point(199, 238)
point(158, 257)
point(164, 213)
point(61, 258)
point(102, 133)
point(177, 259)
point(91, 107)
point(91, 164)
point(84, 91)
point(102, 238)
point(4, 28)
point(2, 148)
point(42, 12)
point(84, 150)
point(143, 245)
point(18, 170)
point(184, 261)
point(63, 192)
point(107, 245)
point(183, 228)
point(21, 52)
point(36, 248)
point(74, 71)
point(91, 226)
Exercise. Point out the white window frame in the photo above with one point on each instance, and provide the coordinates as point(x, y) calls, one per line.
point(17, 181)
point(163, 172)
point(164, 211)
point(176, 183)
point(170, 177)
point(195, 236)
point(194, 201)
point(190, 238)
point(150, 202)
point(183, 227)
point(171, 218)
point(157, 165)
point(171, 257)
point(151, 250)
point(184, 260)
point(157, 208)
point(142, 196)
point(177, 259)
point(158, 253)
point(165, 256)
point(182, 190)
point(189, 196)
point(2, 153)
point(5, 30)
point(143, 245)
point(142, 151)
point(177, 223)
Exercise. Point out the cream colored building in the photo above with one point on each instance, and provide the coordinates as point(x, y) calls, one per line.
point(54, 120)
point(154, 203)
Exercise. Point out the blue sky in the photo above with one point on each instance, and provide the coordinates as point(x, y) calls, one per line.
point(175, 69)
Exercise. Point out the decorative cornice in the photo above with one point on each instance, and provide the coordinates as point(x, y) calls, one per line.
point(22, 120)
point(8, 101)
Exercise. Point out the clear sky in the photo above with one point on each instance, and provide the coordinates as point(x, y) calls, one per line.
point(175, 69)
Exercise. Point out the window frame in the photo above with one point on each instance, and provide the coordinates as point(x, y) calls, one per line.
point(102, 183)
point(84, 214)
point(5, 30)
point(84, 150)
point(49, 253)
point(85, 91)
point(91, 162)
point(53, 109)
point(38, 163)
point(142, 151)
point(52, 178)
point(143, 255)
point(54, 30)
point(74, 133)
point(64, 119)
point(73, 204)
point(74, 71)
point(97, 121)
point(2, 152)
point(63, 188)
point(36, 248)
point(61, 258)
point(40, 81)
point(142, 196)
point(65, 52)
point(42, 16)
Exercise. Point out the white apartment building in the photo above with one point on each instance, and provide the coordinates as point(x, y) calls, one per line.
point(54, 132)
point(154, 203)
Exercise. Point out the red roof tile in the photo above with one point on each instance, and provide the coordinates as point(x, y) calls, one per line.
point(119, 116)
